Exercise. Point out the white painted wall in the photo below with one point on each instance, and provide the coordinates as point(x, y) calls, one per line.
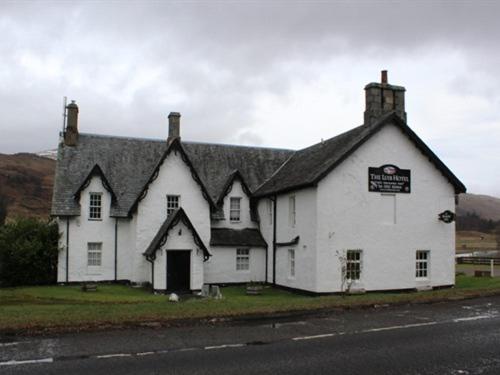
point(81, 231)
point(305, 227)
point(174, 178)
point(236, 191)
point(175, 242)
point(350, 217)
point(221, 267)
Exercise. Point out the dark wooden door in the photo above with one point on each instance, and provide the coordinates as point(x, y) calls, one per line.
point(178, 270)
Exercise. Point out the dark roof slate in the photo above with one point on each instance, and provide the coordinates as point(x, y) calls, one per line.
point(308, 166)
point(237, 237)
point(129, 163)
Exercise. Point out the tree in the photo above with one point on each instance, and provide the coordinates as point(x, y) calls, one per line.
point(3, 208)
point(28, 252)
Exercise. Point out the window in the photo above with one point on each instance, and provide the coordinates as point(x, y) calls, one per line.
point(270, 211)
point(242, 259)
point(235, 209)
point(94, 254)
point(291, 210)
point(95, 206)
point(353, 264)
point(173, 203)
point(291, 262)
point(422, 264)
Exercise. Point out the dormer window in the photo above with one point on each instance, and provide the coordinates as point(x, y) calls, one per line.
point(173, 203)
point(235, 210)
point(95, 206)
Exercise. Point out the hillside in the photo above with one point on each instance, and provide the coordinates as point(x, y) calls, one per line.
point(485, 206)
point(26, 180)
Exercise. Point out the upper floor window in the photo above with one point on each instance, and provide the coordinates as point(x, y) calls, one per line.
point(242, 259)
point(235, 209)
point(422, 264)
point(94, 254)
point(173, 203)
point(95, 206)
point(353, 264)
point(291, 211)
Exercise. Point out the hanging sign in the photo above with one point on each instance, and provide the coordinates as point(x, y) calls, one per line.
point(388, 179)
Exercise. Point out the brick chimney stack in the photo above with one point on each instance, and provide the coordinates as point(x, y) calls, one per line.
point(383, 98)
point(71, 132)
point(174, 124)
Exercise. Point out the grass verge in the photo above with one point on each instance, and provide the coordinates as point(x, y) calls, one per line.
point(66, 308)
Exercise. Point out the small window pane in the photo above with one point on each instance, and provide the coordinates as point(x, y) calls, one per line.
point(353, 264)
point(173, 203)
point(94, 254)
point(95, 206)
point(235, 209)
point(242, 259)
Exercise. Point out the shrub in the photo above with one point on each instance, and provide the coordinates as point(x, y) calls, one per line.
point(28, 252)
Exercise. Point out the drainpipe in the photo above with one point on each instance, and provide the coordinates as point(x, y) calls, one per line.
point(67, 249)
point(116, 249)
point(275, 210)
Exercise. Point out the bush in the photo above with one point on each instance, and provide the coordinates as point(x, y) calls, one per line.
point(28, 252)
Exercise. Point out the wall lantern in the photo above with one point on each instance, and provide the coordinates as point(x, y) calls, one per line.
point(447, 216)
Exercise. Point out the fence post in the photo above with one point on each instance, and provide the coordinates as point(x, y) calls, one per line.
point(492, 267)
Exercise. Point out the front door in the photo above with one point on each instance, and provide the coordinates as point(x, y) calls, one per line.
point(178, 270)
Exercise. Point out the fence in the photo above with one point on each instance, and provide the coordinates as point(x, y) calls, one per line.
point(478, 260)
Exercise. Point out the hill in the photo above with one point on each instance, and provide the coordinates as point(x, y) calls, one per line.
point(485, 206)
point(26, 180)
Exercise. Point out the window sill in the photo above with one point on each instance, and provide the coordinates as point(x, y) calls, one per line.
point(95, 219)
point(235, 221)
point(243, 271)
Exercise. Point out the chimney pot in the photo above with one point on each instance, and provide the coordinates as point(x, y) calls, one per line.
point(71, 131)
point(384, 77)
point(174, 125)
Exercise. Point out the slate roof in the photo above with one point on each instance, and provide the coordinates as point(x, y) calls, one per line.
point(128, 164)
point(161, 236)
point(237, 237)
point(308, 166)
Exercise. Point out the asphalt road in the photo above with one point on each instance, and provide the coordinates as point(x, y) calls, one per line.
point(461, 337)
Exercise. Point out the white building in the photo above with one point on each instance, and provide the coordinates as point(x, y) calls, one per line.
point(369, 209)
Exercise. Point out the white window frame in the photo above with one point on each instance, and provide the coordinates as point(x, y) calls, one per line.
point(234, 210)
point(173, 203)
point(291, 263)
point(95, 205)
point(270, 211)
point(292, 204)
point(243, 260)
point(94, 254)
point(422, 262)
point(353, 264)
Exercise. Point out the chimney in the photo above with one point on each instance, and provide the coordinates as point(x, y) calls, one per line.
point(174, 124)
point(71, 132)
point(383, 98)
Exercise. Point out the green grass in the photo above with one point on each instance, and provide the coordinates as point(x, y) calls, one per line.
point(27, 309)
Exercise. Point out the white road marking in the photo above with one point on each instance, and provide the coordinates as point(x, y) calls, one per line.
point(144, 353)
point(224, 346)
point(8, 344)
point(26, 362)
point(471, 318)
point(314, 337)
point(113, 355)
point(398, 327)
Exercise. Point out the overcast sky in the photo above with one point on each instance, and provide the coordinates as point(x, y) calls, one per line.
point(271, 73)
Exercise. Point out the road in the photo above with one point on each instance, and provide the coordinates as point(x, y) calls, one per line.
point(461, 337)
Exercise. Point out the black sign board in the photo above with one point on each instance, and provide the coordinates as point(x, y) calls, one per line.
point(388, 179)
point(447, 216)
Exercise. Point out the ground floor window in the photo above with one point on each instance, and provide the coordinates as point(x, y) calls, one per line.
point(291, 262)
point(94, 254)
point(353, 264)
point(422, 264)
point(242, 259)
